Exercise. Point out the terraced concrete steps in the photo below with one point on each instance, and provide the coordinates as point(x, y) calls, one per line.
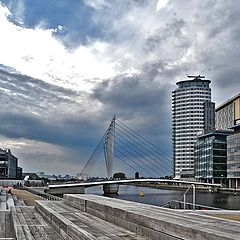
point(155, 222)
point(30, 225)
point(91, 217)
point(69, 221)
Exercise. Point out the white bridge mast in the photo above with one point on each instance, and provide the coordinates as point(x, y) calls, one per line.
point(109, 148)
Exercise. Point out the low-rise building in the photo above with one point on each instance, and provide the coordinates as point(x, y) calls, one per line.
point(8, 165)
point(211, 157)
point(228, 113)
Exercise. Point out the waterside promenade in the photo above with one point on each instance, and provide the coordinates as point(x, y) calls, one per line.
point(91, 217)
point(184, 187)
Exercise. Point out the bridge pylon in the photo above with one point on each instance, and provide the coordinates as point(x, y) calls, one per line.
point(108, 146)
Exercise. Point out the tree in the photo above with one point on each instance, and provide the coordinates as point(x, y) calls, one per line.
point(119, 175)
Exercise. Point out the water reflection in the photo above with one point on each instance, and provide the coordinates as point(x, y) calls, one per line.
point(159, 197)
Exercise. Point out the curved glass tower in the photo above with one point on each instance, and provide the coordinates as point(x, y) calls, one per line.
point(188, 113)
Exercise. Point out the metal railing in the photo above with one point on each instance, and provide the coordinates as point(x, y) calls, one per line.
point(175, 204)
point(178, 204)
point(193, 197)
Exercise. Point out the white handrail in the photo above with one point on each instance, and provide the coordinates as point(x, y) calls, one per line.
point(193, 199)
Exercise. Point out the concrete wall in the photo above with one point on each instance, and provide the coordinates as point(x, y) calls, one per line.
point(154, 222)
point(65, 190)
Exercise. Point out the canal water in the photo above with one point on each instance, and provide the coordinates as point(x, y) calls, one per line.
point(159, 197)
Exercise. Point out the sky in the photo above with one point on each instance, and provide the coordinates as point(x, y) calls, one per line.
point(66, 67)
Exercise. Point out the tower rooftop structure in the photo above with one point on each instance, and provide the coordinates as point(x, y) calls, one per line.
point(194, 79)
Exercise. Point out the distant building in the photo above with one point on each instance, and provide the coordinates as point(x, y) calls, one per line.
point(228, 113)
point(188, 119)
point(136, 175)
point(40, 174)
point(8, 165)
point(31, 176)
point(233, 157)
point(211, 157)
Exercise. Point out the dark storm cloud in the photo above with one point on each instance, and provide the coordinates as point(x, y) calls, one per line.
point(36, 110)
point(142, 100)
point(66, 133)
point(26, 86)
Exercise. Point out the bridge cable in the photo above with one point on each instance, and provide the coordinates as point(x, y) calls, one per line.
point(158, 173)
point(141, 141)
point(131, 160)
point(139, 149)
point(170, 157)
point(143, 147)
point(139, 160)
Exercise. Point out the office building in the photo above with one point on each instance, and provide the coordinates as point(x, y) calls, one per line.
point(209, 116)
point(187, 120)
point(233, 157)
point(228, 113)
point(211, 157)
point(8, 165)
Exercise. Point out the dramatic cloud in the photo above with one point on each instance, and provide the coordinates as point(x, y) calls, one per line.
point(67, 68)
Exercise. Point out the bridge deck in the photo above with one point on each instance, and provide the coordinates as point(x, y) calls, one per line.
point(155, 180)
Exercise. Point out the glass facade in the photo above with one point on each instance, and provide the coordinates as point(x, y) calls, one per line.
point(211, 157)
point(233, 157)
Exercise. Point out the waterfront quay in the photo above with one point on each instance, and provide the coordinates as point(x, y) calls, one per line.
point(182, 187)
point(92, 217)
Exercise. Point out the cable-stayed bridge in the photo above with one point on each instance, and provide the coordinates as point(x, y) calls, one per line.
point(121, 144)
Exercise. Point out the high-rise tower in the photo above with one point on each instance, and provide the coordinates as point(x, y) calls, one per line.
point(187, 121)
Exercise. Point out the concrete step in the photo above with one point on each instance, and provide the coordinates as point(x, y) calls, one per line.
point(69, 221)
point(10, 201)
point(3, 200)
point(29, 225)
point(6, 229)
point(155, 222)
point(18, 202)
